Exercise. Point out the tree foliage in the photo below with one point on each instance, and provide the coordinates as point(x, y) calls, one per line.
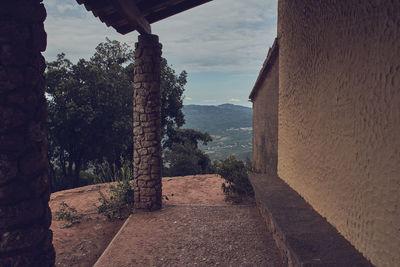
point(90, 112)
point(172, 86)
point(90, 103)
point(182, 155)
point(235, 172)
point(90, 120)
point(90, 107)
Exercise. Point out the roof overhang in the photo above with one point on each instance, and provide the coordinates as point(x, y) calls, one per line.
point(129, 15)
point(269, 61)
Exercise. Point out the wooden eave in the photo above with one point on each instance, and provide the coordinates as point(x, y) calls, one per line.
point(129, 15)
point(269, 61)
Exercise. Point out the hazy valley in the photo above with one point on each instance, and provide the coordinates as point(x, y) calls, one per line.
point(229, 125)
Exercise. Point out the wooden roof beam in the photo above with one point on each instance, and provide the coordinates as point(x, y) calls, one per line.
point(132, 13)
point(111, 19)
point(179, 6)
point(150, 6)
point(96, 5)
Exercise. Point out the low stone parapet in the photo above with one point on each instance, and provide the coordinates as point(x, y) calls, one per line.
point(303, 236)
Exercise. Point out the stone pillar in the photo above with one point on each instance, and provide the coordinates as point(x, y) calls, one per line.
point(25, 216)
point(147, 163)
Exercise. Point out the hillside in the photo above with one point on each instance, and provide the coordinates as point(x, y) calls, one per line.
point(229, 125)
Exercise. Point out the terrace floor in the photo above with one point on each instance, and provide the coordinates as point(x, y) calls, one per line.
point(196, 227)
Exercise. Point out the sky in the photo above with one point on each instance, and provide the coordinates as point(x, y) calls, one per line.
point(221, 44)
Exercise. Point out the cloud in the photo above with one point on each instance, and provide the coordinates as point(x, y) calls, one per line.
point(187, 98)
point(63, 8)
point(224, 35)
point(234, 100)
point(50, 3)
point(66, 34)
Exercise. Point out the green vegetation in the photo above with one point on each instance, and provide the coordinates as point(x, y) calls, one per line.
point(90, 115)
point(182, 155)
point(89, 105)
point(67, 214)
point(120, 202)
point(105, 173)
point(235, 173)
point(90, 124)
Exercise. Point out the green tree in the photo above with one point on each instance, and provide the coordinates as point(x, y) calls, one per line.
point(235, 172)
point(172, 86)
point(182, 155)
point(89, 103)
point(90, 108)
point(90, 112)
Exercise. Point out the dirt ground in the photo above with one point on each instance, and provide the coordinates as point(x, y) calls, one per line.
point(194, 198)
point(193, 235)
point(83, 243)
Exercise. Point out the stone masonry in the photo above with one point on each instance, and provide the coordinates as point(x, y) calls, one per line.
point(147, 124)
point(25, 216)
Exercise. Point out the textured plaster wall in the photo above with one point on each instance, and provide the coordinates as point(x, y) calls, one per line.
point(339, 116)
point(265, 122)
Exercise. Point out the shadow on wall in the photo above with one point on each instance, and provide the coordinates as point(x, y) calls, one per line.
point(265, 98)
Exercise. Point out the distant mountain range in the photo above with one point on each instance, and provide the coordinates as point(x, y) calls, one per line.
point(229, 125)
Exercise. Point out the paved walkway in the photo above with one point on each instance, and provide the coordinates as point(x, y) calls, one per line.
point(193, 235)
point(198, 230)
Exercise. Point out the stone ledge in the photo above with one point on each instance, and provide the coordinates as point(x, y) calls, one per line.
point(303, 236)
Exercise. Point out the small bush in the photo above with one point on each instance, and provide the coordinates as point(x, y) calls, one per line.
point(235, 173)
point(120, 202)
point(106, 172)
point(86, 178)
point(67, 214)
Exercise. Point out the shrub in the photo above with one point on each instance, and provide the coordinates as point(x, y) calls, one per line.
point(235, 173)
point(183, 157)
point(120, 202)
point(106, 172)
point(67, 214)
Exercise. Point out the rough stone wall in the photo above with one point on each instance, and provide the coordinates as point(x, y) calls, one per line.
point(147, 123)
point(265, 122)
point(25, 217)
point(339, 116)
